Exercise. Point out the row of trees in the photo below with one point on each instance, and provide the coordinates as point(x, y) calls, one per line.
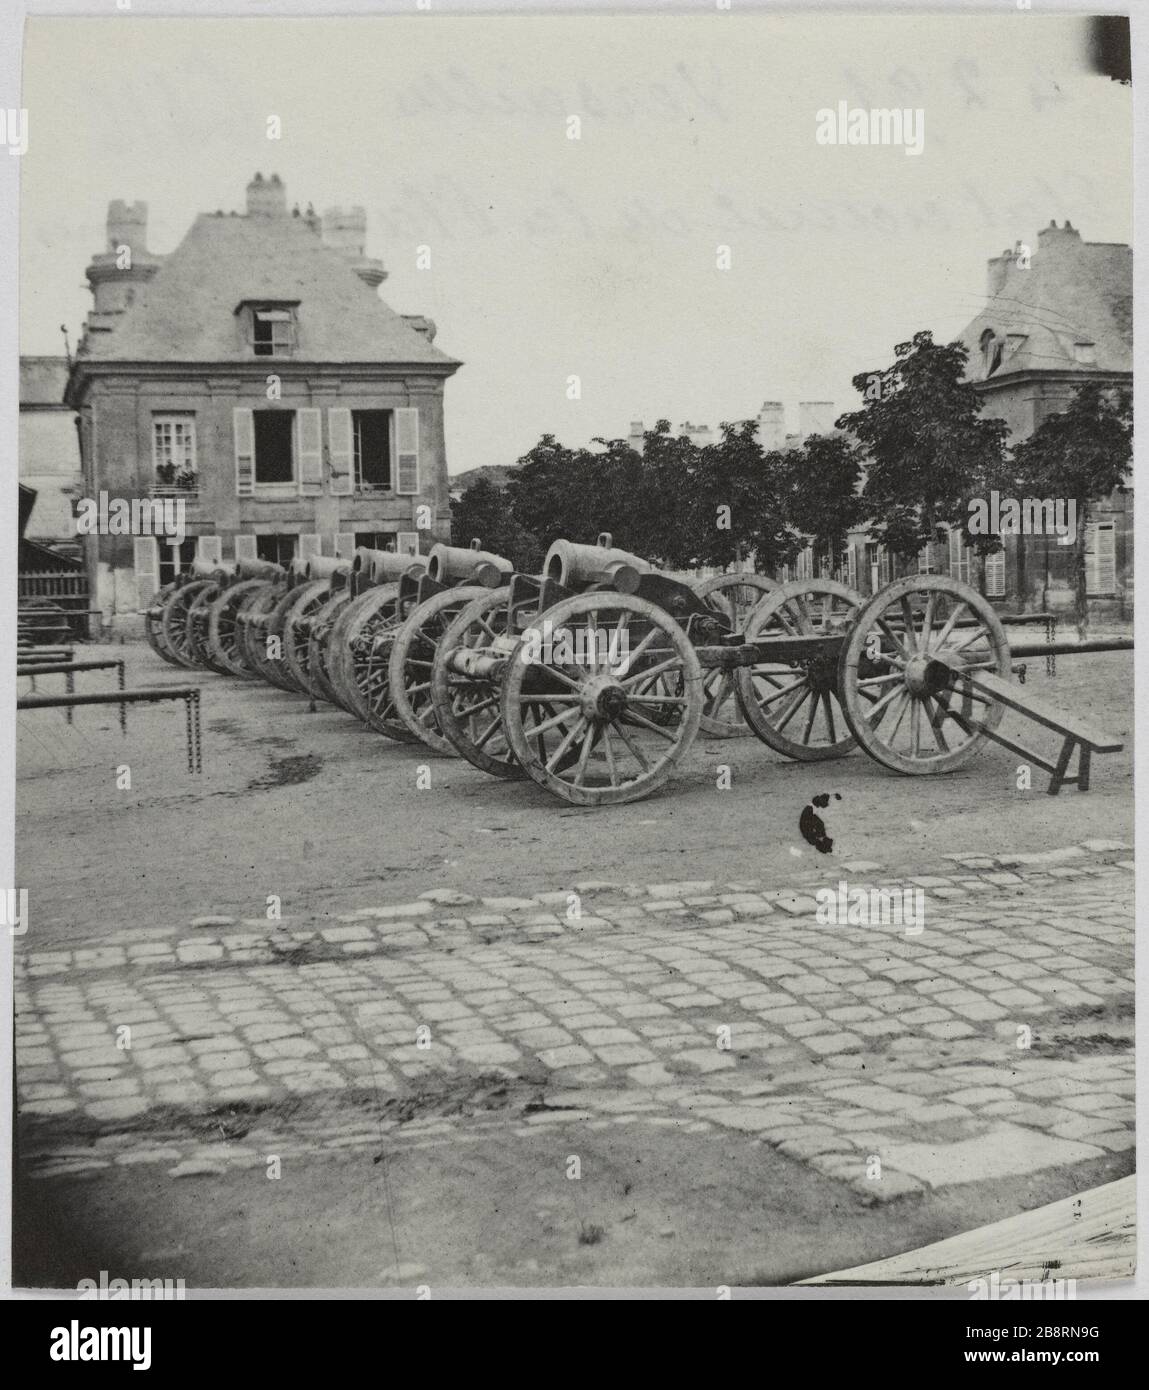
point(912, 458)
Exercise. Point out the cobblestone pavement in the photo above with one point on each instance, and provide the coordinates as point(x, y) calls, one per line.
point(997, 1042)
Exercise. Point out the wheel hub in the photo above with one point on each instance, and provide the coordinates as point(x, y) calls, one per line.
point(602, 697)
point(925, 676)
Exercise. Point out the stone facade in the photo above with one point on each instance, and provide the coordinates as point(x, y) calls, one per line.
point(186, 358)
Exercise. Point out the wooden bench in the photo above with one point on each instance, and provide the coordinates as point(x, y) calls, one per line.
point(1076, 733)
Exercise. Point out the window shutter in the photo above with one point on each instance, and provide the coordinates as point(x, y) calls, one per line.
point(210, 548)
point(345, 544)
point(308, 546)
point(342, 453)
point(309, 450)
point(1100, 558)
point(244, 429)
point(995, 575)
point(851, 567)
point(407, 450)
point(407, 543)
point(245, 548)
point(146, 562)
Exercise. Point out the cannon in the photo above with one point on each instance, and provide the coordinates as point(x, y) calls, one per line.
point(594, 677)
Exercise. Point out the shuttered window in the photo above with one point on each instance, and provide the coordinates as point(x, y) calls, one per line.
point(407, 450)
point(345, 544)
point(340, 447)
point(308, 546)
point(309, 450)
point(146, 562)
point(243, 428)
point(210, 548)
point(995, 575)
point(407, 543)
point(245, 547)
point(959, 558)
point(1101, 558)
point(851, 567)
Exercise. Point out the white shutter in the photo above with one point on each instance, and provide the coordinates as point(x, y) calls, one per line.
point(245, 547)
point(959, 557)
point(210, 548)
point(407, 543)
point(995, 575)
point(309, 545)
point(345, 544)
point(883, 565)
point(851, 567)
point(407, 451)
point(339, 443)
point(1100, 558)
point(146, 562)
point(243, 427)
point(309, 449)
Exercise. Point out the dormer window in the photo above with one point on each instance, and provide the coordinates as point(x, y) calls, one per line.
point(991, 348)
point(270, 326)
point(1085, 353)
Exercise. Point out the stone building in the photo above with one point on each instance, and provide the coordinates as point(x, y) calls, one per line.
point(255, 374)
point(1056, 315)
point(49, 451)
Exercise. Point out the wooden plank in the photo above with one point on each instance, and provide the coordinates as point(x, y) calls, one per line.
point(1037, 709)
point(1090, 1236)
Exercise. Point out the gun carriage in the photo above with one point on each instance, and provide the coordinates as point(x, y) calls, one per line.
point(594, 677)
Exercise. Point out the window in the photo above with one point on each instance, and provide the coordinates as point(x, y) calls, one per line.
point(272, 330)
point(375, 540)
point(274, 454)
point(990, 351)
point(1085, 353)
point(371, 433)
point(173, 452)
point(174, 559)
point(280, 550)
point(1100, 558)
point(995, 575)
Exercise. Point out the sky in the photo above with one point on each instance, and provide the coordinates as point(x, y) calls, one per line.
point(595, 257)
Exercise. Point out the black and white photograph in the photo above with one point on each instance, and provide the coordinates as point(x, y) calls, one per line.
point(573, 709)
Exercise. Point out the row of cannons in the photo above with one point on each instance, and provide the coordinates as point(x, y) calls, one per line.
point(594, 677)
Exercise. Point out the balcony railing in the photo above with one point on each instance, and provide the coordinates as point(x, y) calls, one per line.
point(188, 493)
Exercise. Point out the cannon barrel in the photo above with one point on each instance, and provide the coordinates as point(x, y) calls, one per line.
point(326, 567)
point(575, 566)
point(384, 566)
point(207, 569)
point(448, 563)
point(258, 569)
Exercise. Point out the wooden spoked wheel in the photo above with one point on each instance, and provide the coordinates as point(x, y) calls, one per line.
point(253, 624)
point(199, 628)
point(154, 625)
point(467, 708)
point(361, 655)
point(224, 630)
point(413, 658)
point(266, 642)
point(319, 647)
point(734, 596)
point(904, 700)
point(793, 705)
point(604, 716)
point(175, 622)
point(309, 599)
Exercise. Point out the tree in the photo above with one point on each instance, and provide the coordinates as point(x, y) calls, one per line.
point(484, 511)
point(1080, 454)
point(929, 452)
point(739, 504)
point(822, 493)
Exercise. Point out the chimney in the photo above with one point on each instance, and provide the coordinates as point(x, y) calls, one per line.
point(346, 232)
point(771, 425)
point(815, 417)
point(997, 273)
point(128, 226)
point(634, 438)
point(266, 197)
point(1059, 240)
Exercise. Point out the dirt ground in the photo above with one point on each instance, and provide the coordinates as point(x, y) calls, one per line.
point(317, 810)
